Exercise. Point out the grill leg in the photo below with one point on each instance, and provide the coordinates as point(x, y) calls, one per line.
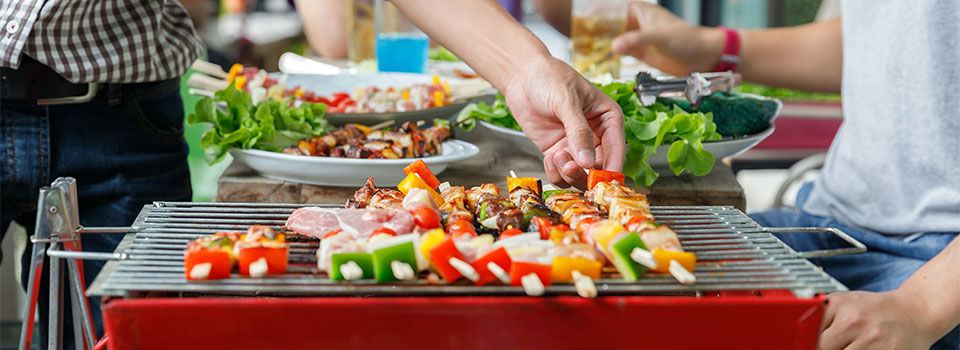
point(81, 309)
point(54, 336)
point(36, 275)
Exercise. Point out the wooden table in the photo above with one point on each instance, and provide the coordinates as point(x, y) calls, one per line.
point(493, 164)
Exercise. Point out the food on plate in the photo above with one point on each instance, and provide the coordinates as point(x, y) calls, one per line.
point(370, 99)
point(269, 126)
point(358, 141)
point(647, 128)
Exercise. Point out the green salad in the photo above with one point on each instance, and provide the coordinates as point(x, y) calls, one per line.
point(786, 94)
point(646, 129)
point(269, 125)
point(441, 53)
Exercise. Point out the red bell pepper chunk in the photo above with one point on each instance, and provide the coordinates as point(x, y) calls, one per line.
point(276, 257)
point(440, 256)
point(521, 268)
point(543, 226)
point(597, 176)
point(421, 169)
point(497, 256)
point(219, 260)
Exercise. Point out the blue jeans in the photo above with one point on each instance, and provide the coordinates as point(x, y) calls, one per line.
point(125, 148)
point(888, 262)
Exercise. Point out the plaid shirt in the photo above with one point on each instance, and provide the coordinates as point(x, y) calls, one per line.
point(103, 41)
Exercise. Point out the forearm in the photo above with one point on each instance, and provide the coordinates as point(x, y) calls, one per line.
point(325, 25)
point(807, 57)
point(480, 32)
point(936, 289)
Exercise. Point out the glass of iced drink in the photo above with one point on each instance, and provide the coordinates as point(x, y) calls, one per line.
point(595, 24)
point(362, 44)
point(401, 46)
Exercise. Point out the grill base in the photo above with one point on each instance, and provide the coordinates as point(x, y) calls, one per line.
point(776, 320)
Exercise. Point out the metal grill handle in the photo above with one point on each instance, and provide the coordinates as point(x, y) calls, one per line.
point(856, 249)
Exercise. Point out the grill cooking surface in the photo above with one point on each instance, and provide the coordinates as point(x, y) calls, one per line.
point(733, 253)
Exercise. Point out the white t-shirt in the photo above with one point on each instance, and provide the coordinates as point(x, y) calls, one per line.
point(894, 166)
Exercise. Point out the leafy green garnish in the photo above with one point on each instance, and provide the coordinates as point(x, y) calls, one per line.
point(497, 114)
point(269, 125)
point(786, 94)
point(441, 53)
point(646, 129)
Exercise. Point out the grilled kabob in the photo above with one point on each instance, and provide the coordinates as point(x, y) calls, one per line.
point(574, 209)
point(357, 141)
point(454, 206)
point(369, 196)
point(526, 193)
point(630, 209)
point(491, 210)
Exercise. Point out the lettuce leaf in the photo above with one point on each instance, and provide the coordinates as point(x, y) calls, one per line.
point(646, 129)
point(269, 125)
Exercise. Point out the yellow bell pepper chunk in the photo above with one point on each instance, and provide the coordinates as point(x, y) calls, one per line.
point(234, 70)
point(436, 80)
point(605, 231)
point(406, 94)
point(430, 240)
point(437, 98)
point(365, 129)
point(239, 81)
point(663, 257)
point(529, 182)
point(446, 87)
point(412, 181)
point(564, 266)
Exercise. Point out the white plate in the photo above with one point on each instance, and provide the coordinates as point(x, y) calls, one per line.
point(720, 149)
point(329, 84)
point(346, 172)
point(515, 138)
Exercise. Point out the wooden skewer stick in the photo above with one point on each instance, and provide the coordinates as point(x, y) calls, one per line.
point(513, 174)
point(351, 271)
point(382, 124)
point(421, 123)
point(584, 284)
point(465, 269)
point(532, 285)
point(681, 273)
point(643, 257)
point(499, 272)
point(401, 270)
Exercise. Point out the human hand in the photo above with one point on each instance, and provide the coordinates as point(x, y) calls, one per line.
point(663, 40)
point(866, 320)
point(575, 124)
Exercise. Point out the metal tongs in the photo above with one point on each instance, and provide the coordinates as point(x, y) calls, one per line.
point(695, 87)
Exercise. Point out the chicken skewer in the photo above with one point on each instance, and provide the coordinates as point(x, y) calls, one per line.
point(632, 210)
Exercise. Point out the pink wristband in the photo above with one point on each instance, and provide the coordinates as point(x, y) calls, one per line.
point(731, 51)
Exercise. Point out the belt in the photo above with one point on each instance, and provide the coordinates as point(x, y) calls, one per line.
point(34, 81)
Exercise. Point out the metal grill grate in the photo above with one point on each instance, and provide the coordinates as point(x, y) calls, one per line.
point(733, 253)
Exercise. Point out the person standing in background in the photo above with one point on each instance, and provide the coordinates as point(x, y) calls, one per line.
point(890, 177)
point(89, 89)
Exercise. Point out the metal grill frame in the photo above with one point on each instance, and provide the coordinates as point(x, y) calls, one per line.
point(734, 253)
